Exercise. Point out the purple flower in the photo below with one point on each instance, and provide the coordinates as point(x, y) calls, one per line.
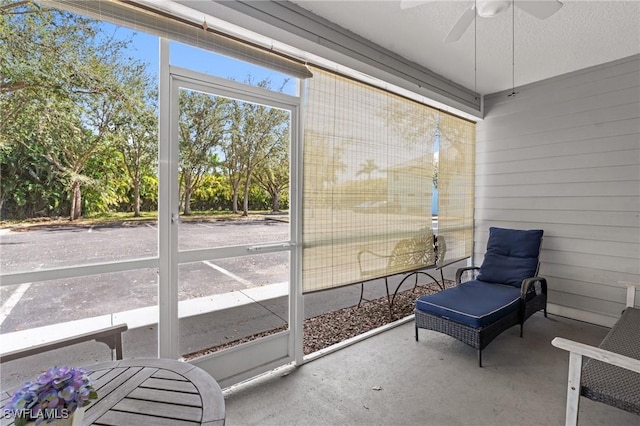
point(50, 396)
point(68, 393)
point(57, 388)
point(46, 377)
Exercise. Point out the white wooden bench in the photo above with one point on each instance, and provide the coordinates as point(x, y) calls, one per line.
point(612, 374)
point(111, 336)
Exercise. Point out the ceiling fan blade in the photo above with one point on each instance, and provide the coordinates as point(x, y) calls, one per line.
point(540, 9)
point(461, 26)
point(408, 4)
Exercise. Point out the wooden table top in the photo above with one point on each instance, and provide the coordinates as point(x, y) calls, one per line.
point(151, 391)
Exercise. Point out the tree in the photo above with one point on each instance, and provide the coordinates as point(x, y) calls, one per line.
point(256, 133)
point(323, 165)
point(42, 54)
point(203, 119)
point(62, 84)
point(264, 133)
point(368, 167)
point(137, 139)
point(410, 123)
point(273, 175)
point(232, 150)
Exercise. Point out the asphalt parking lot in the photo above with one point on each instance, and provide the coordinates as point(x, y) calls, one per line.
point(58, 301)
point(32, 305)
point(63, 300)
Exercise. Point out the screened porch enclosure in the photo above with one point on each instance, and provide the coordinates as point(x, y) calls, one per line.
point(359, 178)
point(563, 156)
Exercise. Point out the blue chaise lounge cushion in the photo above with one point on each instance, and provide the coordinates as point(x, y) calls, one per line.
point(507, 270)
point(473, 303)
point(512, 256)
point(514, 242)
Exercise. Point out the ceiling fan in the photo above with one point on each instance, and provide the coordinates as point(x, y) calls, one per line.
point(541, 9)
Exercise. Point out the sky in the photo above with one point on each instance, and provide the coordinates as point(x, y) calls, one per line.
point(144, 47)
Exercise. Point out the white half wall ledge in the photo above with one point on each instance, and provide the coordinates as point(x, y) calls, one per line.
point(140, 317)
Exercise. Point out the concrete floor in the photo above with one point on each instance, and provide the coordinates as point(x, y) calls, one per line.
point(390, 379)
point(196, 332)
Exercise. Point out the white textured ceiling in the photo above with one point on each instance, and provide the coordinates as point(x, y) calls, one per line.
point(582, 33)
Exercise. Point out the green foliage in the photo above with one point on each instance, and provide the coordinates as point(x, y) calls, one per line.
point(105, 190)
point(27, 186)
point(272, 175)
point(78, 134)
point(63, 89)
point(214, 193)
point(258, 199)
point(135, 137)
point(257, 137)
point(149, 193)
point(202, 125)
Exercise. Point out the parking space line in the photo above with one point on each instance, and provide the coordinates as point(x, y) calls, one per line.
point(228, 273)
point(205, 226)
point(12, 301)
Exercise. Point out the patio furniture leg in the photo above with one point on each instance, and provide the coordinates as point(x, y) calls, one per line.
point(480, 358)
point(118, 339)
point(573, 389)
point(389, 299)
point(395, 293)
point(386, 286)
point(114, 341)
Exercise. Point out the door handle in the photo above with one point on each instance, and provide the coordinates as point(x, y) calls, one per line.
point(270, 246)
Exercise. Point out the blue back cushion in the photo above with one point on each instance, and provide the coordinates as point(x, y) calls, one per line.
point(512, 256)
point(514, 242)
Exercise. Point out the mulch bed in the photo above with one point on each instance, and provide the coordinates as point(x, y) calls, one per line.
point(334, 327)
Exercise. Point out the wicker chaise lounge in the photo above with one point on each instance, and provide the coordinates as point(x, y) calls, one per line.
point(492, 298)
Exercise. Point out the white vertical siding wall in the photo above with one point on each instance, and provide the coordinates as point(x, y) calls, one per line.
point(564, 156)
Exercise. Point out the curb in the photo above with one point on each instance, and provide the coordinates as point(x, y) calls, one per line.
point(141, 317)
